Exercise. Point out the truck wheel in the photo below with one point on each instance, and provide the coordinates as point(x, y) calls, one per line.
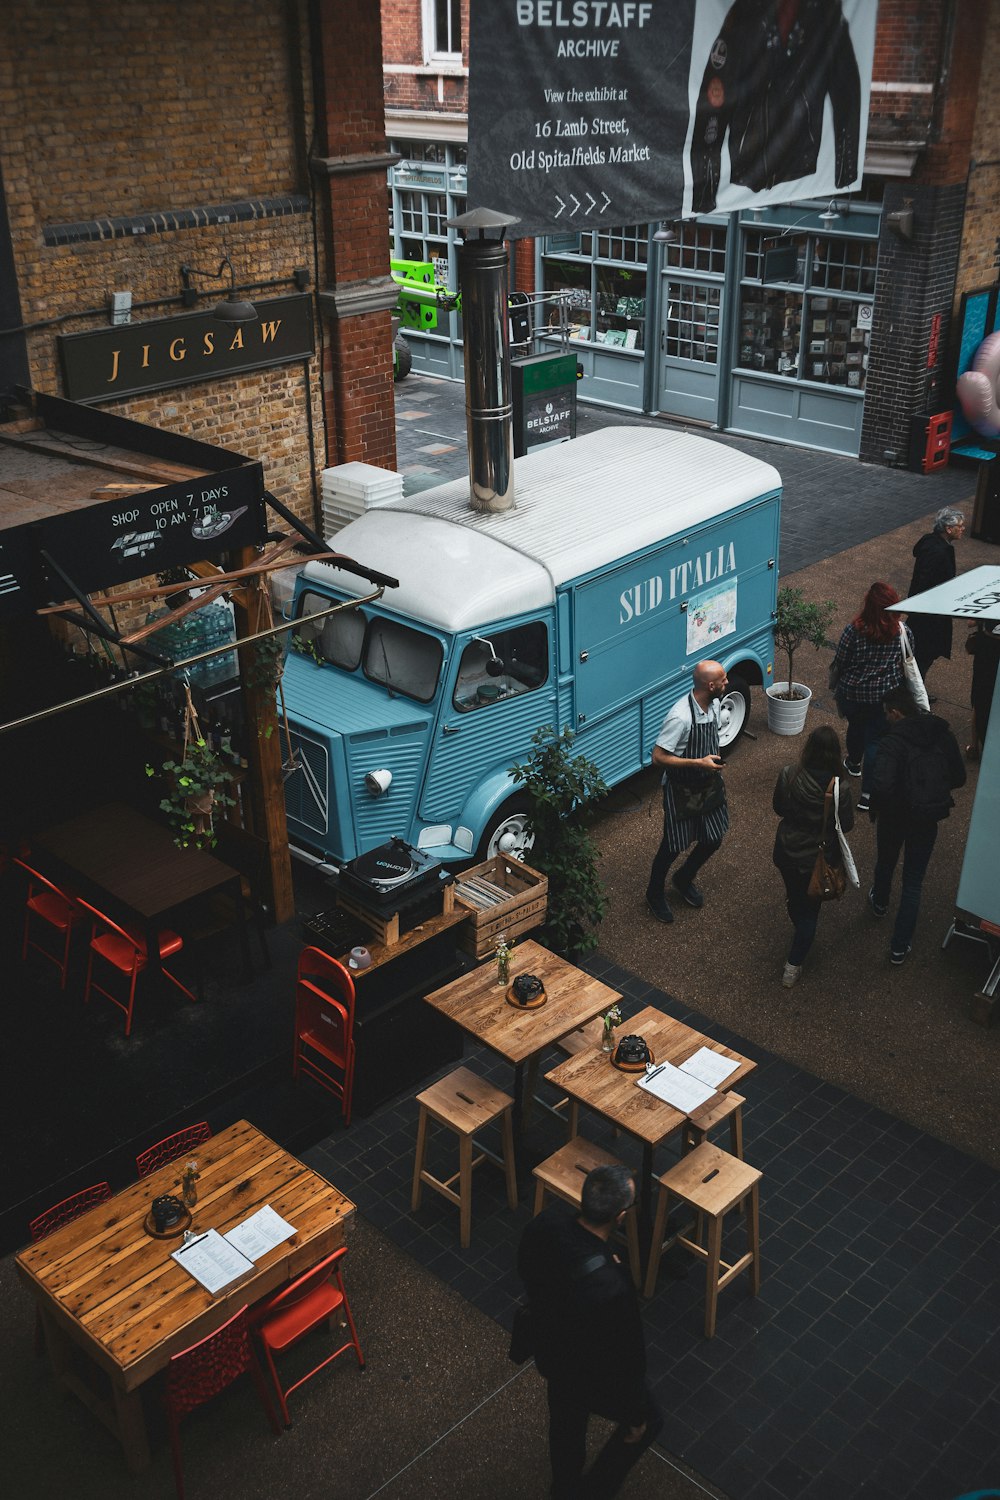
point(402, 358)
point(507, 832)
point(735, 711)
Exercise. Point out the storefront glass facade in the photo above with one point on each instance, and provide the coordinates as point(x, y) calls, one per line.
point(426, 189)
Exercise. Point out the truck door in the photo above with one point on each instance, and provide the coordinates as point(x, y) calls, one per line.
point(501, 690)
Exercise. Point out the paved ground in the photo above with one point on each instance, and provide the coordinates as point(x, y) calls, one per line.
point(868, 1366)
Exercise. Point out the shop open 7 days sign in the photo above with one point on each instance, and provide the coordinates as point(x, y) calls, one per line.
point(591, 113)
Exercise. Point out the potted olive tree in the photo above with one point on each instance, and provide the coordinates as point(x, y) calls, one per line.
point(797, 622)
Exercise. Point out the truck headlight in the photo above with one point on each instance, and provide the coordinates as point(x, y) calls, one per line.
point(378, 782)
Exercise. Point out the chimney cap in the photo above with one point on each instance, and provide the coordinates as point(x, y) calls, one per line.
point(481, 219)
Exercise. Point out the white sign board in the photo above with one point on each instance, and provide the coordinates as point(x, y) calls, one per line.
point(972, 596)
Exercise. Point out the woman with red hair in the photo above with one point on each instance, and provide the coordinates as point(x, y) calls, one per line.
point(868, 664)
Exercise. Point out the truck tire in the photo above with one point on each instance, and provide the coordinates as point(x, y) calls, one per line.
point(735, 710)
point(402, 361)
point(507, 832)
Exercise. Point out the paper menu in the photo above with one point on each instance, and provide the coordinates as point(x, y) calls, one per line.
point(211, 1260)
point(711, 1067)
point(260, 1233)
point(673, 1086)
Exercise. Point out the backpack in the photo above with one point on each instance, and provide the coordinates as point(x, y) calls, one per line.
point(926, 784)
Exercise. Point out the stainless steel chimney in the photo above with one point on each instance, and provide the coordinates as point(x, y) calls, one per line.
point(483, 278)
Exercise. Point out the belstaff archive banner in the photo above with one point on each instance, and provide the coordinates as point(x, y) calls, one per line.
point(590, 113)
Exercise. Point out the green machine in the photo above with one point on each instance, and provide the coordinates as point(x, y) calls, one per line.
point(421, 299)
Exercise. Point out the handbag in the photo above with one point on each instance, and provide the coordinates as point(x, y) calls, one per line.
point(847, 857)
point(828, 880)
point(696, 801)
point(911, 672)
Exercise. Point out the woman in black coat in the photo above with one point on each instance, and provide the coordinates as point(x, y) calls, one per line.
point(799, 797)
point(934, 563)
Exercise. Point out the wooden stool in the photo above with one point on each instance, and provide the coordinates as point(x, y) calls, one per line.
point(465, 1104)
point(724, 1107)
point(562, 1174)
point(712, 1182)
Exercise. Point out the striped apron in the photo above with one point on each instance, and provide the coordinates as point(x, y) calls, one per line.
point(709, 828)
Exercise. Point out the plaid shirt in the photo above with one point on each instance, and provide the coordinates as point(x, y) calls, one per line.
point(868, 669)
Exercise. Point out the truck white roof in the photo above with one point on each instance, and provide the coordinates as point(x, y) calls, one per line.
point(580, 506)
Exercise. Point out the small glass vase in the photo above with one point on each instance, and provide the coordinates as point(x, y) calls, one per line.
point(608, 1039)
point(189, 1189)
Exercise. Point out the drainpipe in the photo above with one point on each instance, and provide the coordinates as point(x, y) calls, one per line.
point(483, 272)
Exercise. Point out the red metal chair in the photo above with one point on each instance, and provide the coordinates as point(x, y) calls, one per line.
point(125, 950)
point(56, 909)
point(204, 1370)
point(171, 1147)
point(286, 1318)
point(324, 1025)
point(64, 1213)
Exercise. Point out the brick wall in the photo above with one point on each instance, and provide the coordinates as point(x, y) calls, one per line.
point(915, 282)
point(181, 131)
point(419, 85)
point(980, 257)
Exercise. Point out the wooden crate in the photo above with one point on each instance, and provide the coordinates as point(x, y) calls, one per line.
point(385, 928)
point(523, 909)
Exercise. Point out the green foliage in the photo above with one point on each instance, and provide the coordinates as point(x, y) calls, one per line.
point(561, 791)
point(196, 788)
point(799, 622)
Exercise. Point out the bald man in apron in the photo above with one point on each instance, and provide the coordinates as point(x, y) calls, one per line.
point(687, 751)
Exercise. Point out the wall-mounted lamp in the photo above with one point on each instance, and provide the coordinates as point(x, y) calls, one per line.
point(232, 309)
point(665, 235)
point(830, 214)
point(900, 221)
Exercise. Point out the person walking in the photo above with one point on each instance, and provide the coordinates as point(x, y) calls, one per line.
point(799, 800)
point(867, 665)
point(917, 765)
point(694, 794)
point(934, 563)
point(588, 1338)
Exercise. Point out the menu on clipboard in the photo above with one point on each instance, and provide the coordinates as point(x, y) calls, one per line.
point(675, 1087)
point(212, 1260)
point(260, 1233)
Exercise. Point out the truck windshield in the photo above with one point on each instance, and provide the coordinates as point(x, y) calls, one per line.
point(403, 660)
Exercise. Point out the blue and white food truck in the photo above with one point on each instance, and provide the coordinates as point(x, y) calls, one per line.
point(631, 554)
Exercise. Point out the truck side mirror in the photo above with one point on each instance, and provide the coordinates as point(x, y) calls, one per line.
point(495, 667)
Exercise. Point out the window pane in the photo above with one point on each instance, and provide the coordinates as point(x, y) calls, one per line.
point(837, 343)
point(447, 26)
point(522, 653)
point(693, 321)
point(406, 661)
point(845, 265)
point(770, 326)
point(624, 244)
point(698, 247)
point(757, 245)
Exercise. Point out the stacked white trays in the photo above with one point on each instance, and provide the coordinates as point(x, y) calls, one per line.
point(351, 489)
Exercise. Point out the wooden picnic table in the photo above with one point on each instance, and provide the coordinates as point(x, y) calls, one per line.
point(105, 1286)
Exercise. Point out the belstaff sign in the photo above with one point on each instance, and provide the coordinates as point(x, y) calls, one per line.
point(108, 363)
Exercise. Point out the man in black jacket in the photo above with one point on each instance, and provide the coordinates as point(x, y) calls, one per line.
point(589, 1342)
point(934, 563)
point(917, 765)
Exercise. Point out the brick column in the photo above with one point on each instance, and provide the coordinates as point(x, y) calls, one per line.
point(357, 294)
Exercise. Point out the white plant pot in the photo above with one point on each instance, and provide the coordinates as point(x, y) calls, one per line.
point(787, 715)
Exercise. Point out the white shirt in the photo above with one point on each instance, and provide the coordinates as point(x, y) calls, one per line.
point(676, 731)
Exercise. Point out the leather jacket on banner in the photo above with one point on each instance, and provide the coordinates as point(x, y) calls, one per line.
point(766, 83)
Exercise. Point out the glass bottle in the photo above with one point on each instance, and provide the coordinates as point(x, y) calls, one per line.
point(503, 960)
point(189, 1180)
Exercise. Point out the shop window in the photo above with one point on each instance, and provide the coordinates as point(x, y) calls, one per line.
point(523, 654)
point(809, 334)
point(838, 333)
point(623, 244)
point(692, 330)
point(770, 330)
point(698, 247)
point(605, 303)
point(845, 265)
